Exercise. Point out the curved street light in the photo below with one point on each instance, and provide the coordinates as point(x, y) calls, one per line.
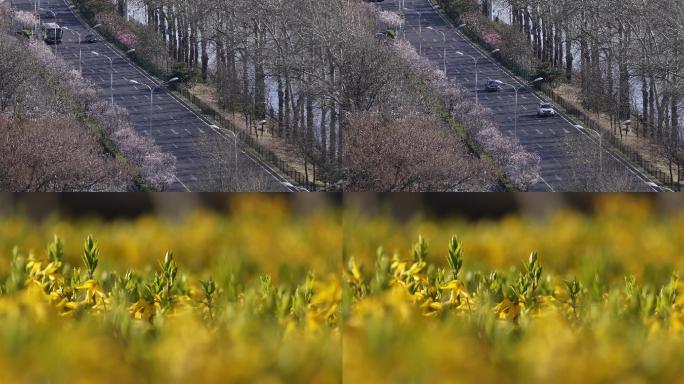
point(111, 74)
point(420, 29)
point(516, 89)
point(80, 55)
point(235, 138)
point(476, 60)
point(149, 119)
point(444, 46)
point(600, 137)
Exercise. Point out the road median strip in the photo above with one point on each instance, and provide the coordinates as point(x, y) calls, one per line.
point(278, 168)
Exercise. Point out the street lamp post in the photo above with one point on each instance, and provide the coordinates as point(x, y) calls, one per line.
point(80, 61)
point(35, 12)
point(600, 137)
point(111, 74)
point(516, 89)
point(235, 141)
point(420, 29)
point(149, 119)
point(444, 46)
point(476, 60)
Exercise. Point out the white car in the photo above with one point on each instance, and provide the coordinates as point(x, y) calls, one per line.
point(546, 109)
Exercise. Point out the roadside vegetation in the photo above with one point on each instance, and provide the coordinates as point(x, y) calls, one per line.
point(206, 298)
point(619, 63)
point(56, 133)
point(316, 74)
point(571, 298)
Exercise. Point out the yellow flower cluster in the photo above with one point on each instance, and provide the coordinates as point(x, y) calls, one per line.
point(410, 319)
point(239, 313)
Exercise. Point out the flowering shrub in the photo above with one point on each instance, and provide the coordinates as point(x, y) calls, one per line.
point(433, 315)
point(156, 167)
point(492, 38)
point(25, 19)
point(127, 38)
point(618, 235)
point(389, 19)
point(82, 312)
point(206, 238)
point(520, 166)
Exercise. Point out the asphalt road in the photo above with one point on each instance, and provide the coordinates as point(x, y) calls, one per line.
point(547, 137)
point(170, 123)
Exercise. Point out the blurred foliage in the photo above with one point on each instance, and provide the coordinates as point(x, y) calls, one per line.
point(259, 234)
point(250, 296)
point(599, 302)
point(624, 235)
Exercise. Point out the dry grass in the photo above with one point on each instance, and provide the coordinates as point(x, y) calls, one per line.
point(285, 150)
point(644, 146)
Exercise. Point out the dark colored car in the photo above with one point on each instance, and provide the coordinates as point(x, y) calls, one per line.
point(91, 38)
point(493, 85)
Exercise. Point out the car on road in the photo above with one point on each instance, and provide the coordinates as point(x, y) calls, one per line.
point(546, 110)
point(48, 15)
point(91, 38)
point(493, 85)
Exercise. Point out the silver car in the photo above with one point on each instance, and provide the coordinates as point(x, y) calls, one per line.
point(546, 109)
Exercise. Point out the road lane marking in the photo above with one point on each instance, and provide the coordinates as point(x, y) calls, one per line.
point(181, 183)
point(266, 168)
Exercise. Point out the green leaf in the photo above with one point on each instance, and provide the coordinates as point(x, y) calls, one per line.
point(455, 256)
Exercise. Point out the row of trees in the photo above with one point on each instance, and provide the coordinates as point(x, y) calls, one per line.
point(290, 61)
point(618, 42)
point(47, 111)
point(314, 66)
point(625, 56)
point(319, 72)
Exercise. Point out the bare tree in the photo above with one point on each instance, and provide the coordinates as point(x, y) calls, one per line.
point(411, 154)
point(54, 155)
